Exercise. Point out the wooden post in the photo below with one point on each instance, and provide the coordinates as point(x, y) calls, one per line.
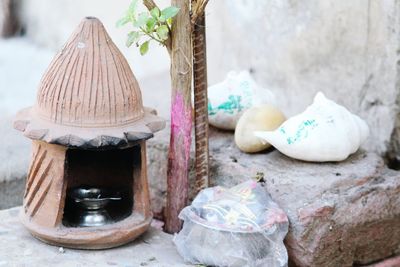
point(200, 101)
point(8, 20)
point(181, 116)
point(188, 24)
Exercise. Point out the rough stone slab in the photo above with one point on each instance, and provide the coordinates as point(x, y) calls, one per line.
point(340, 213)
point(19, 248)
point(392, 262)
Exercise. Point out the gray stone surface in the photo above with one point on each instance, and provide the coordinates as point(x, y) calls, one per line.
point(392, 262)
point(340, 213)
point(19, 248)
point(11, 193)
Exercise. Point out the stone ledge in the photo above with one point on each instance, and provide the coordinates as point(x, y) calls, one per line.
point(340, 213)
point(392, 262)
point(19, 248)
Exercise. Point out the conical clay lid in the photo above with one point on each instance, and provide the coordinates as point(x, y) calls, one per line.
point(89, 97)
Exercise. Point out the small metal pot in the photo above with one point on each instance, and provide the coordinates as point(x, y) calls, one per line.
point(92, 203)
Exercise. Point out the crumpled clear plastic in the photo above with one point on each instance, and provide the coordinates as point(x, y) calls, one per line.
point(235, 227)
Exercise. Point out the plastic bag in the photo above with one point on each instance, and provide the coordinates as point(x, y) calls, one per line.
point(228, 99)
point(235, 227)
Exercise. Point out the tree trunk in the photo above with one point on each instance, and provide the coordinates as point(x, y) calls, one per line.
point(181, 116)
point(200, 102)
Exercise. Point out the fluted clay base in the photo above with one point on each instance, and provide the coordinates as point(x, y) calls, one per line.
point(55, 168)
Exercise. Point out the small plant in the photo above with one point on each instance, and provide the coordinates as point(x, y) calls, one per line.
point(151, 25)
point(180, 39)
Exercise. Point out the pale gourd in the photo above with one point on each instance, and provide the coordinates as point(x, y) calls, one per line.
point(260, 118)
point(325, 131)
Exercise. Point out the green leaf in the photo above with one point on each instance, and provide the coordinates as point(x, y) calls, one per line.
point(169, 12)
point(122, 21)
point(132, 7)
point(155, 12)
point(150, 24)
point(132, 38)
point(144, 48)
point(141, 21)
point(169, 21)
point(162, 32)
point(131, 12)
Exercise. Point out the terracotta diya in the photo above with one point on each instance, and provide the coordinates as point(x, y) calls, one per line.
point(87, 183)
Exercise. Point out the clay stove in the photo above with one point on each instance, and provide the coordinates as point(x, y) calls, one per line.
point(87, 182)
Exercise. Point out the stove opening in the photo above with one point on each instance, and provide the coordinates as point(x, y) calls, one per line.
point(99, 185)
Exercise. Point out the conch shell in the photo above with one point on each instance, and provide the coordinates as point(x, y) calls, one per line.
point(325, 131)
point(228, 99)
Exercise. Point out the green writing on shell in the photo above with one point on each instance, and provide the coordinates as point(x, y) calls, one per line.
point(301, 132)
point(234, 102)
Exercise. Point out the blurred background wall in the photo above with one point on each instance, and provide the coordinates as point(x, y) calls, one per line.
point(347, 49)
point(49, 23)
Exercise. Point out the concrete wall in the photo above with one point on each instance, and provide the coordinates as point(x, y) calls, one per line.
point(347, 49)
point(50, 23)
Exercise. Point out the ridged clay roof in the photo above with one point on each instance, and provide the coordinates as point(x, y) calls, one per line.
point(88, 96)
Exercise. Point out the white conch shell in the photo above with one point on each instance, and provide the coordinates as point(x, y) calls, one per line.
point(228, 99)
point(325, 131)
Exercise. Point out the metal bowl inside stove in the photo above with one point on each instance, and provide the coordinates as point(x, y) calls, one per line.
point(91, 203)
